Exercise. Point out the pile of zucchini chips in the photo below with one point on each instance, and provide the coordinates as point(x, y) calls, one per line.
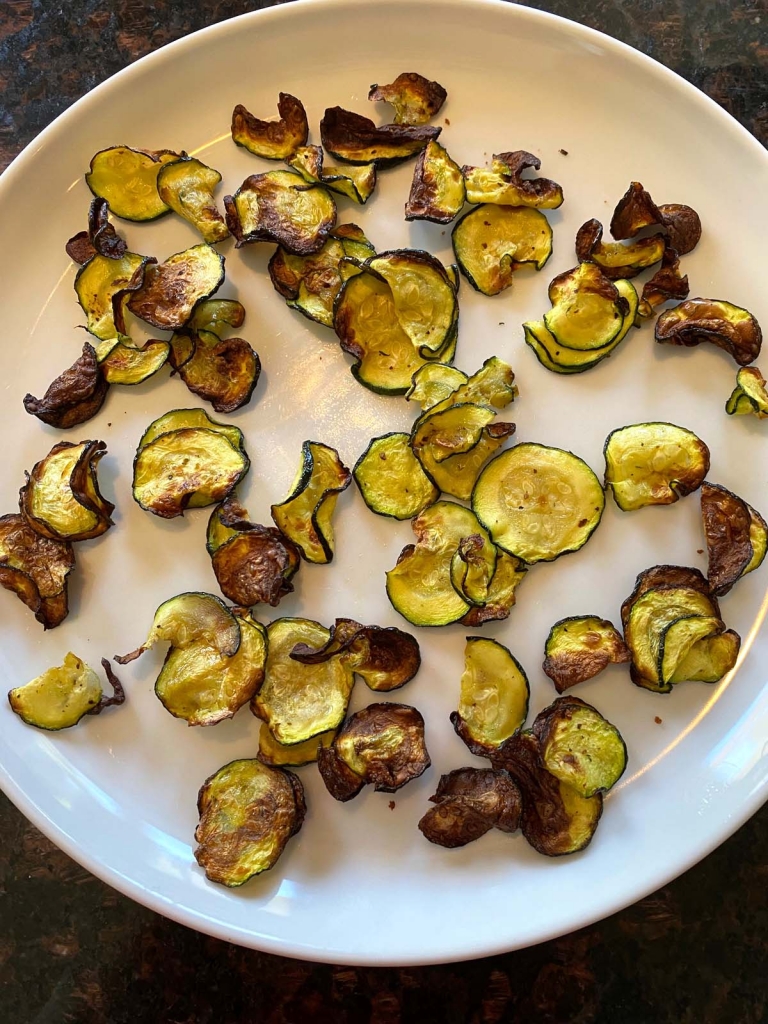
point(482, 515)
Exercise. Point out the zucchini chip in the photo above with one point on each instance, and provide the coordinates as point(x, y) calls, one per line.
point(683, 226)
point(414, 98)
point(433, 383)
point(305, 516)
point(224, 372)
point(253, 564)
point(491, 242)
point(709, 659)
point(272, 140)
point(188, 620)
point(749, 397)
point(279, 206)
point(451, 431)
point(667, 283)
point(100, 237)
point(187, 186)
point(500, 595)
point(35, 568)
point(385, 658)
point(420, 586)
point(216, 315)
point(356, 183)
point(127, 364)
point(579, 747)
point(172, 290)
point(678, 640)
point(538, 502)
point(179, 419)
point(391, 479)
point(458, 474)
point(281, 755)
point(127, 179)
point(301, 701)
point(493, 384)
point(636, 210)
point(556, 819)
point(736, 536)
point(494, 696)
point(74, 397)
point(472, 569)
point(61, 696)
point(355, 139)
point(580, 647)
point(437, 190)
point(729, 327)
point(615, 259)
point(102, 287)
point(469, 803)
point(310, 284)
point(61, 498)
point(188, 466)
point(653, 464)
point(588, 310)
point(382, 745)
point(248, 812)
point(504, 184)
point(666, 575)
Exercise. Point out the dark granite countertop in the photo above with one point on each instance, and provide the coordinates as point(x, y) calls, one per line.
point(73, 950)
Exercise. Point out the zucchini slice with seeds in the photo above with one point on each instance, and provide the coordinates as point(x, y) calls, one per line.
point(127, 179)
point(587, 310)
point(61, 498)
point(709, 659)
point(281, 207)
point(500, 596)
point(305, 516)
point(301, 701)
point(494, 696)
point(391, 479)
point(504, 184)
point(188, 620)
point(615, 259)
point(355, 139)
point(35, 569)
point(294, 755)
point(538, 502)
point(750, 394)
point(469, 803)
point(178, 419)
point(171, 290)
point(735, 534)
point(730, 327)
point(187, 186)
point(415, 99)
point(580, 647)
point(248, 812)
point(272, 140)
point(102, 288)
point(491, 242)
point(434, 382)
point(356, 183)
point(127, 364)
point(61, 696)
point(437, 190)
point(75, 396)
point(653, 464)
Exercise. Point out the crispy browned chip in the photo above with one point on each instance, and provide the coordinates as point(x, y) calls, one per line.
point(35, 568)
point(416, 100)
point(355, 139)
point(683, 226)
point(666, 575)
point(222, 372)
point(281, 207)
point(714, 320)
point(256, 566)
point(727, 523)
point(273, 140)
point(667, 283)
point(454, 822)
point(75, 396)
point(538, 191)
point(470, 802)
point(634, 211)
point(437, 189)
point(79, 247)
point(580, 647)
point(172, 289)
point(341, 782)
point(386, 658)
point(617, 261)
point(100, 237)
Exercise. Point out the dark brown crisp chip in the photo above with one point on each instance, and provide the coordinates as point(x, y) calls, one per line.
point(256, 566)
point(454, 822)
point(616, 260)
point(415, 99)
point(723, 324)
point(683, 226)
point(340, 781)
point(79, 247)
point(222, 372)
point(727, 523)
point(492, 790)
point(355, 139)
point(667, 283)
point(281, 207)
point(75, 396)
point(172, 289)
point(272, 140)
point(539, 191)
point(634, 211)
point(670, 576)
point(35, 568)
point(100, 237)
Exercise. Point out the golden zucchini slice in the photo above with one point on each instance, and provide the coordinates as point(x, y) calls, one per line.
point(279, 206)
point(666, 575)
point(580, 647)
point(127, 364)
point(272, 140)
point(653, 464)
point(736, 536)
point(415, 99)
point(493, 704)
point(248, 812)
point(458, 474)
point(74, 396)
point(709, 659)
point(538, 502)
point(470, 802)
point(493, 384)
point(187, 186)
point(391, 479)
point(102, 287)
point(501, 594)
point(294, 755)
point(35, 569)
point(179, 419)
point(503, 183)
point(451, 431)
point(61, 696)
point(355, 139)
point(587, 310)
point(750, 395)
point(615, 259)
point(127, 179)
point(301, 701)
point(730, 327)
point(433, 383)
point(437, 190)
point(677, 640)
point(216, 315)
point(305, 516)
point(172, 290)
point(61, 498)
point(189, 619)
point(492, 242)
point(356, 183)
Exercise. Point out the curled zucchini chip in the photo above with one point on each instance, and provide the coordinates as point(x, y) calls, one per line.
point(272, 140)
point(470, 802)
point(222, 371)
point(636, 210)
point(491, 242)
point(301, 701)
point(61, 696)
point(306, 515)
point(729, 327)
point(538, 502)
point(494, 696)
point(100, 237)
point(615, 259)
point(750, 396)
point(415, 99)
point(188, 620)
point(356, 183)
point(678, 639)
point(172, 290)
point(386, 659)
point(127, 364)
point(653, 464)
point(102, 287)
point(61, 498)
point(580, 647)
point(504, 184)
point(187, 186)
point(391, 479)
point(35, 568)
point(666, 575)
point(667, 283)
point(253, 564)
point(736, 536)
point(187, 467)
point(682, 225)
point(382, 745)
point(216, 315)
point(500, 596)
point(493, 384)
point(556, 818)
point(281, 755)
point(587, 309)
point(437, 190)
point(74, 397)
point(579, 747)
point(433, 383)
point(420, 586)
point(281, 207)
point(127, 179)
point(355, 139)
point(472, 569)
point(248, 812)
point(458, 474)
point(451, 431)
point(709, 659)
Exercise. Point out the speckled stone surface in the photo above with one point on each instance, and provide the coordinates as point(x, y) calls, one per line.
point(72, 950)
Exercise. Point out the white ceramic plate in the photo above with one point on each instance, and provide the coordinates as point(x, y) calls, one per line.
point(359, 884)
